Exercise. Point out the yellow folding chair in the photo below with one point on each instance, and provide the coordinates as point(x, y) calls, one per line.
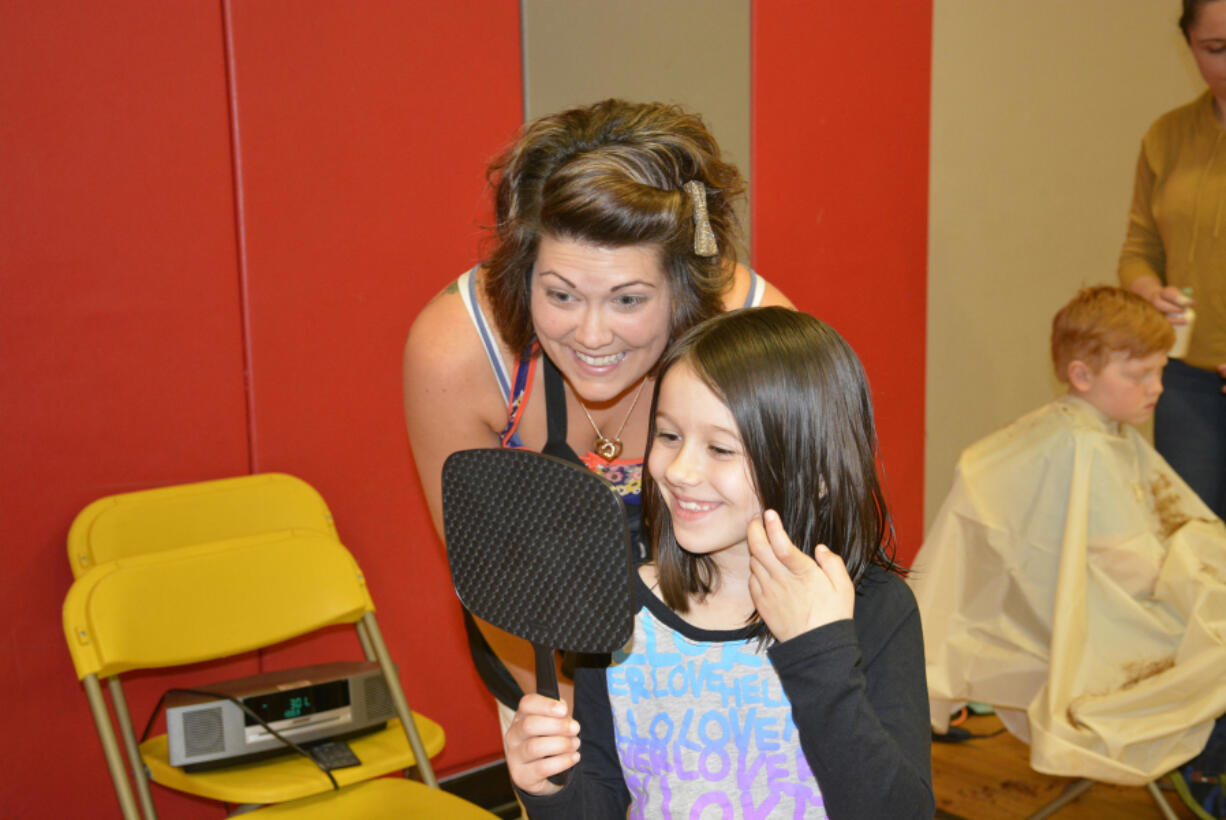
point(135, 523)
point(166, 517)
point(207, 601)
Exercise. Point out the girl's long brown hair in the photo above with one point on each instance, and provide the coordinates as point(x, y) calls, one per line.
point(802, 406)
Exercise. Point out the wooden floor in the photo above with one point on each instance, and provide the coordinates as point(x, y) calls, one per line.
point(989, 778)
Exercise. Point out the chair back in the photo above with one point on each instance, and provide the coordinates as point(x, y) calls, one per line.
point(209, 601)
point(134, 523)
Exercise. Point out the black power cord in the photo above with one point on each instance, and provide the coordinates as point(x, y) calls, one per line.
point(956, 734)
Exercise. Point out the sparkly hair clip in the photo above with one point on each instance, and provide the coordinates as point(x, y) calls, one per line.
point(704, 237)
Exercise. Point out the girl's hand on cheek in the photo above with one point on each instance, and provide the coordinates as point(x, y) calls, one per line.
point(543, 740)
point(792, 592)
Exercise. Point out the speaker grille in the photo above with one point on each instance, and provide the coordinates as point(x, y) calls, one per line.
point(378, 699)
point(202, 732)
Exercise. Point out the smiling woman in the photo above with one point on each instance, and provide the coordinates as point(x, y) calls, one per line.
point(614, 233)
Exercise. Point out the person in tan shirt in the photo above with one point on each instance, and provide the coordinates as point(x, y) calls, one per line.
point(1177, 239)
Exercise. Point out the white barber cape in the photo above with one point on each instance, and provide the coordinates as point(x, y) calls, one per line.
point(1075, 583)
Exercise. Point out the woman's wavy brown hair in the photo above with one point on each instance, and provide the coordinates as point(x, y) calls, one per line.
point(610, 174)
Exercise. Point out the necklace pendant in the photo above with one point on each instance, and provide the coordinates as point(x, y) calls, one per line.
point(608, 449)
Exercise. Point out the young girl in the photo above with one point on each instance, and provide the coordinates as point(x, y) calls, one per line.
point(748, 687)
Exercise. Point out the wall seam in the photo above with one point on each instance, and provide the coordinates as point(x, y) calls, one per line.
point(240, 228)
point(751, 211)
point(523, 59)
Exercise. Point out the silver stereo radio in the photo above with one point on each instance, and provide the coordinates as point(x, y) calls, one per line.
point(304, 704)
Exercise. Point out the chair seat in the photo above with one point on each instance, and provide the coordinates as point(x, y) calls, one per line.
point(384, 799)
point(291, 776)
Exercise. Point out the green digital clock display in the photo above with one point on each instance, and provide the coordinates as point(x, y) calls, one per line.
point(298, 702)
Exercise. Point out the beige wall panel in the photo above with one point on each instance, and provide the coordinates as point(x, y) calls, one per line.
point(691, 52)
point(1038, 107)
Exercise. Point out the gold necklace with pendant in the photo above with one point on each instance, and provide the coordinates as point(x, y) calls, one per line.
point(611, 448)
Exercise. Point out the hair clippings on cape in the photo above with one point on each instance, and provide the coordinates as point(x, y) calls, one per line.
point(704, 237)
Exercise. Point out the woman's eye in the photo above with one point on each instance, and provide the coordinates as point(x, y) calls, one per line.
point(665, 436)
point(558, 296)
point(721, 452)
point(627, 300)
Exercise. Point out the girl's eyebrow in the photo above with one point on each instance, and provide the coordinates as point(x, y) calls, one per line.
point(718, 428)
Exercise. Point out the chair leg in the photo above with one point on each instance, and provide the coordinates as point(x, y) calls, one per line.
point(1071, 792)
point(398, 698)
point(364, 639)
point(110, 748)
point(124, 719)
point(1160, 799)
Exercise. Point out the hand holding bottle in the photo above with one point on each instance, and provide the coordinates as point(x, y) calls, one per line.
point(1182, 320)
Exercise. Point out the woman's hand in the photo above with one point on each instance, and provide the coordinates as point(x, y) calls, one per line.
point(793, 592)
point(543, 740)
point(1171, 301)
point(1167, 298)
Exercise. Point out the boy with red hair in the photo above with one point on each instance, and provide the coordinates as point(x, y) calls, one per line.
point(1109, 346)
point(1071, 579)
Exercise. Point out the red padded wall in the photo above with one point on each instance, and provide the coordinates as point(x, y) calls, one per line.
point(365, 130)
point(120, 341)
point(840, 198)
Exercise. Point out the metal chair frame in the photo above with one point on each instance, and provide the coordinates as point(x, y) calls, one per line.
point(1079, 787)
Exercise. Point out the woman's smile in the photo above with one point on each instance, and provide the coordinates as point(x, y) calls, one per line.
point(599, 361)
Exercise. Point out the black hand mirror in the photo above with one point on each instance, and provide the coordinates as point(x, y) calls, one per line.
point(539, 547)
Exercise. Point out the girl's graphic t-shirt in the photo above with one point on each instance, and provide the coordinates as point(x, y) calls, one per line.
point(702, 726)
